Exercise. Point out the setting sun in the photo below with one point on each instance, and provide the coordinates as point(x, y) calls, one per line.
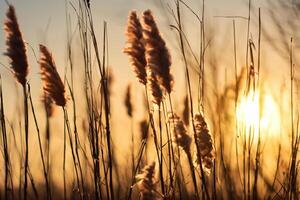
point(149, 99)
point(255, 112)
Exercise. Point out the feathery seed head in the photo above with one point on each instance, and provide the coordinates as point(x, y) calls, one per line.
point(147, 182)
point(204, 143)
point(155, 89)
point(16, 50)
point(135, 47)
point(180, 135)
point(53, 85)
point(157, 55)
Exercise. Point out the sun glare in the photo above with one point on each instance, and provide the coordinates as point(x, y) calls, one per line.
point(256, 114)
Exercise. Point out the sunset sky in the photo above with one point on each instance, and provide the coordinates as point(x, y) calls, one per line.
point(43, 21)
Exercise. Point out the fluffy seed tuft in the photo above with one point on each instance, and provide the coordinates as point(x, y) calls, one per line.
point(180, 135)
point(146, 182)
point(205, 143)
point(135, 47)
point(52, 83)
point(157, 55)
point(16, 50)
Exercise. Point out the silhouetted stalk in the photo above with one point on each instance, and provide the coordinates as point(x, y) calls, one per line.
point(132, 146)
point(189, 159)
point(236, 102)
point(202, 58)
point(161, 149)
point(64, 161)
point(7, 162)
point(155, 141)
point(257, 156)
point(170, 151)
point(248, 33)
point(48, 189)
point(190, 95)
point(193, 173)
point(26, 140)
point(292, 177)
point(72, 149)
point(142, 150)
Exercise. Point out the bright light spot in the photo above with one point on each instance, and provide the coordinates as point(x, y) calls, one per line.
point(254, 113)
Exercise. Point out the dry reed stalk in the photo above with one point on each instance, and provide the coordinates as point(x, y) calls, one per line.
point(183, 140)
point(147, 182)
point(49, 109)
point(16, 49)
point(53, 85)
point(157, 55)
point(54, 88)
point(135, 47)
point(205, 144)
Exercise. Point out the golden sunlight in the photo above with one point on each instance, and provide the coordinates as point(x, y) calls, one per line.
point(254, 113)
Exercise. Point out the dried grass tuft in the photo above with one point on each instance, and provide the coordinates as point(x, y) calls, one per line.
point(147, 182)
point(180, 135)
point(157, 55)
point(205, 143)
point(16, 50)
point(135, 47)
point(52, 83)
point(155, 89)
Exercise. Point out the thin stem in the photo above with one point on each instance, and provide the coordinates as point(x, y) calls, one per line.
point(48, 189)
point(72, 147)
point(26, 140)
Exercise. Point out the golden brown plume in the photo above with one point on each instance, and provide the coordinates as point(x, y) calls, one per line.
point(180, 135)
point(146, 182)
point(157, 55)
point(154, 88)
point(205, 143)
point(53, 85)
point(16, 50)
point(135, 47)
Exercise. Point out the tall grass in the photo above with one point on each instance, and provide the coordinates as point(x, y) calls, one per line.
point(210, 140)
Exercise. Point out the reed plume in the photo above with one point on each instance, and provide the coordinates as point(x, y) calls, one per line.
point(183, 140)
point(147, 182)
point(16, 50)
point(127, 101)
point(157, 55)
point(180, 135)
point(135, 47)
point(53, 85)
point(205, 143)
